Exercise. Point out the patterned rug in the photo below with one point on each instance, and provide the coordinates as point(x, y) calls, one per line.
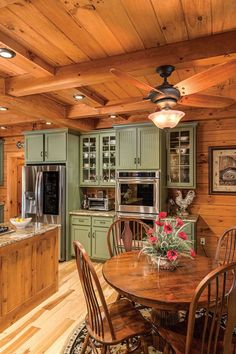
point(76, 339)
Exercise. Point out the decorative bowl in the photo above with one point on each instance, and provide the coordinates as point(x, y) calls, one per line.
point(20, 223)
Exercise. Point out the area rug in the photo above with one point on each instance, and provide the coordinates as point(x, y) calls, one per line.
point(76, 339)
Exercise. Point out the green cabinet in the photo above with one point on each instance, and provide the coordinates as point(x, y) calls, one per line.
point(1, 162)
point(98, 159)
point(91, 232)
point(181, 156)
point(46, 146)
point(139, 147)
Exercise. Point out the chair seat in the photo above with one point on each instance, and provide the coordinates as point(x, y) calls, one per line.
point(176, 336)
point(126, 320)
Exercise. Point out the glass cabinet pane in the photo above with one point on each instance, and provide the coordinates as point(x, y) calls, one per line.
point(89, 159)
point(108, 158)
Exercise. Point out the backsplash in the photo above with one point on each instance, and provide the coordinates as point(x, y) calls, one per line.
point(93, 192)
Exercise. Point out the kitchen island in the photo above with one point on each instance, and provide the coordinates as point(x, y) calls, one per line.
point(28, 270)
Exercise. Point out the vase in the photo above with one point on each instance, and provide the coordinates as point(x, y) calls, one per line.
point(163, 263)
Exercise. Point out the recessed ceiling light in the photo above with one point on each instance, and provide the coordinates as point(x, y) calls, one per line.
point(48, 123)
point(2, 108)
point(7, 53)
point(113, 115)
point(78, 96)
point(3, 128)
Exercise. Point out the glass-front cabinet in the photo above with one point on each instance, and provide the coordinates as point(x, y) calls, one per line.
point(181, 157)
point(98, 159)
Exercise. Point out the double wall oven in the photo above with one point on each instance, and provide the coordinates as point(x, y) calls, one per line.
point(138, 194)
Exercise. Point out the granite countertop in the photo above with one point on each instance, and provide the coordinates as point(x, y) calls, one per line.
point(86, 212)
point(18, 235)
point(190, 218)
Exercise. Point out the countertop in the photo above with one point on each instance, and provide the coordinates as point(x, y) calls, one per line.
point(86, 212)
point(190, 218)
point(18, 235)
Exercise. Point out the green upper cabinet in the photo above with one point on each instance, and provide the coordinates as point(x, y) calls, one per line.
point(98, 159)
point(55, 147)
point(181, 156)
point(139, 147)
point(1, 162)
point(46, 146)
point(34, 148)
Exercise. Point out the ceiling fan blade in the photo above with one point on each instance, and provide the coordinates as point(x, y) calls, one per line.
point(208, 101)
point(139, 84)
point(207, 78)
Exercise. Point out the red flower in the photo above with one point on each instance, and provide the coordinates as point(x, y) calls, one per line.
point(192, 253)
point(179, 222)
point(172, 255)
point(167, 228)
point(150, 231)
point(152, 239)
point(159, 223)
point(162, 215)
point(182, 235)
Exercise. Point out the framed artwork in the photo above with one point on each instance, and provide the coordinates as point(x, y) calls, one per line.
point(222, 170)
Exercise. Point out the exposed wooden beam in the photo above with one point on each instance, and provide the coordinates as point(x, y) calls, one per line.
point(25, 59)
point(13, 118)
point(181, 54)
point(83, 111)
point(4, 3)
point(42, 108)
point(94, 96)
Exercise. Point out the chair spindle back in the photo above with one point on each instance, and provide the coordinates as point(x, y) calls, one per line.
point(226, 248)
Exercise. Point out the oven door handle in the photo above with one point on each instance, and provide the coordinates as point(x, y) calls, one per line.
point(137, 181)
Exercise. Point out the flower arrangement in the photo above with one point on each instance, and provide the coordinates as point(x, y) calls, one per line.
point(167, 242)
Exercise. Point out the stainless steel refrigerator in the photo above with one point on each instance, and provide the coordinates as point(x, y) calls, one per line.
point(43, 197)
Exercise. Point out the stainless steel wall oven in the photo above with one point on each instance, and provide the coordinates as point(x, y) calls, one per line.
point(137, 192)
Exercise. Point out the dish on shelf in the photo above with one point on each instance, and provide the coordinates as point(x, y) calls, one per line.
point(87, 144)
point(183, 138)
point(181, 150)
point(20, 223)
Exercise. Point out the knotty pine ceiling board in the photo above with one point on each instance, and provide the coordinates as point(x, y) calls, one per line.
point(66, 97)
point(223, 15)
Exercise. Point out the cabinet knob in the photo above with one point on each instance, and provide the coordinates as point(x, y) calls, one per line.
point(41, 154)
point(89, 234)
point(138, 160)
point(93, 234)
point(46, 154)
point(135, 160)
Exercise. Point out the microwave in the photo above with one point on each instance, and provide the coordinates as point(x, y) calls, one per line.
point(101, 204)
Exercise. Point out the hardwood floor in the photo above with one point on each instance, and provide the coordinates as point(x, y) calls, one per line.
point(46, 328)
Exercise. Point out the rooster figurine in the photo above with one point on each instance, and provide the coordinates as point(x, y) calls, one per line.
point(183, 203)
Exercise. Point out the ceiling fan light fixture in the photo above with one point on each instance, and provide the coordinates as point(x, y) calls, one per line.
point(7, 53)
point(78, 96)
point(166, 118)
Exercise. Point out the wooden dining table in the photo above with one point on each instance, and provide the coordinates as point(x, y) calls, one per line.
point(166, 292)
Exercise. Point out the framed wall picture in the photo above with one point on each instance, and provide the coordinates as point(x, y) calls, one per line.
point(222, 170)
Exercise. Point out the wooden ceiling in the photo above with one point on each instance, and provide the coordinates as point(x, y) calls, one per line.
point(65, 47)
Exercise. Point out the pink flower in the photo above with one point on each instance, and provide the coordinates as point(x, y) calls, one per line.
point(152, 239)
point(172, 255)
point(179, 222)
point(150, 231)
point(162, 215)
point(182, 235)
point(159, 223)
point(192, 253)
point(167, 228)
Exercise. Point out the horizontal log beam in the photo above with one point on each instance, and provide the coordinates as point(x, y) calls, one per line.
point(25, 59)
point(180, 54)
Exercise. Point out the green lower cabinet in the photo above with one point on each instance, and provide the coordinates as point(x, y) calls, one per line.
point(82, 234)
point(190, 230)
point(91, 232)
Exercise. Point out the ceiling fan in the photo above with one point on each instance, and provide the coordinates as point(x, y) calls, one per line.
point(166, 96)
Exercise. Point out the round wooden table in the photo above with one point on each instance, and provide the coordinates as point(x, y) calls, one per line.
point(139, 281)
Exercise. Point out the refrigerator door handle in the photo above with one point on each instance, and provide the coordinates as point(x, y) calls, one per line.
point(36, 193)
point(40, 189)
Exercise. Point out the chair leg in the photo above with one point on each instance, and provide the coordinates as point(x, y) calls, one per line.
point(85, 344)
point(144, 345)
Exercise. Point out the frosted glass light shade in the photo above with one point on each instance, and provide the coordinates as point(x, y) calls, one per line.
point(166, 118)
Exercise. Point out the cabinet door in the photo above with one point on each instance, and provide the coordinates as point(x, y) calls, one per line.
point(83, 235)
point(181, 157)
point(55, 147)
point(99, 243)
point(126, 148)
point(89, 160)
point(148, 156)
point(107, 159)
point(1, 163)
point(34, 148)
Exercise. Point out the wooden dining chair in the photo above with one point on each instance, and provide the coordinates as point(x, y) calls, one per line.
point(125, 235)
point(205, 335)
point(226, 247)
point(107, 325)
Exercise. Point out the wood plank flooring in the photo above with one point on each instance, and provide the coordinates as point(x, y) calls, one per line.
point(46, 328)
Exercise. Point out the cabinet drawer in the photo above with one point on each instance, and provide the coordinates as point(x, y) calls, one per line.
point(102, 222)
point(81, 220)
